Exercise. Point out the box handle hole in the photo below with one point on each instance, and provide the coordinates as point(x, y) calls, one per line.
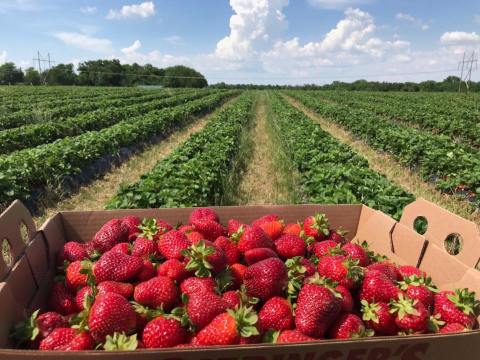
point(7, 252)
point(24, 233)
point(420, 225)
point(453, 244)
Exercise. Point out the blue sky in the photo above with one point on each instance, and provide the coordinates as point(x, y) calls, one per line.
point(261, 41)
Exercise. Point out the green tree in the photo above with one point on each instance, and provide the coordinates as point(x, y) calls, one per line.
point(9, 74)
point(32, 77)
point(62, 74)
point(182, 76)
point(101, 73)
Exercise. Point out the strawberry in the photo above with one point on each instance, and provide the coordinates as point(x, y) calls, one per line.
point(273, 228)
point(74, 276)
point(228, 327)
point(205, 258)
point(453, 328)
point(147, 271)
point(157, 292)
point(459, 306)
point(232, 299)
point(293, 336)
point(254, 237)
point(409, 270)
point(110, 234)
point(377, 316)
point(61, 300)
point(153, 229)
point(80, 297)
point(144, 248)
point(194, 284)
point(202, 308)
point(116, 267)
point(235, 226)
point(386, 267)
point(377, 287)
point(265, 219)
point(326, 248)
point(124, 289)
point(289, 246)
point(163, 332)
point(232, 254)
point(208, 228)
point(293, 229)
point(194, 237)
point(202, 214)
point(348, 326)
point(171, 244)
point(255, 255)
point(337, 235)
point(343, 270)
point(123, 248)
point(316, 226)
point(356, 252)
point(317, 308)
point(347, 299)
point(419, 289)
point(174, 269)
point(276, 314)
point(71, 251)
point(110, 313)
point(266, 278)
point(237, 271)
point(37, 327)
point(131, 223)
point(67, 339)
point(412, 317)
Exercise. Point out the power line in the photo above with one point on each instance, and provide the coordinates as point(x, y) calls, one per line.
point(467, 69)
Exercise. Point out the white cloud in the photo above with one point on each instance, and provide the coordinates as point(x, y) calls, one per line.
point(132, 48)
point(3, 56)
point(412, 19)
point(252, 28)
point(131, 55)
point(143, 11)
point(173, 39)
point(85, 42)
point(338, 4)
point(460, 37)
point(89, 10)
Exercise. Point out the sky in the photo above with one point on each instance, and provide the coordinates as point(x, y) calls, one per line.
point(251, 41)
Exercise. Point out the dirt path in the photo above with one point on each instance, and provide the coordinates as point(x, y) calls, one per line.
point(388, 166)
point(263, 181)
point(95, 195)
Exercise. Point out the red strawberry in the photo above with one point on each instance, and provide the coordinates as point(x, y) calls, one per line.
point(453, 328)
point(157, 292)
point(144, 248)
point(110, 313)
point(356, 252)
point(419, 289)
point(343, 270)
point(202, 308)
point(255, 255)
point(348, 326)
point(316, 227)
point(194, 284)
point(131, 223)
point(38, 327)
point(265, 219)
point(377, 316)
point(347, 299)
point(237, 271)
point(232, 299)
point(293, 336)
point(147, 271)
point(80, 297)
point(174, 269)
point(338, 236)
point(276, 314)
point(412, 317)
point(234, 226)
point(186, 229)
point(289, 246)
point(409, 270)
point(293, 229)
point(273, 229)
point(74, 278)
point(459, 306)
point(208, 228)
point(389, 269)
point(317, 309)
point(266, 278)
point(232, 254)
point(123, 248)
point(377, 287)
point(110, 234)
point(326, 248)
point(194, 237)
point(202, 214)
point(67, 339)
point(116, 267)
point(61, 300)
point(124, 289)
point(228, 327)
point(71, 251)
point(162, 332)
point(254, 237)
point(205, 258)
point(171, 244)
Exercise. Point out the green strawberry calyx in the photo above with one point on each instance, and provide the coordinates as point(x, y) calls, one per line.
point(320, 223)
point(198, 254)
point(414, 280)
point(245, 318)
point(27, 330)
point(327, 283)
point(370, 311)
point(404, 306)
point(354, 271)
point(235, 237)
point(148, 228)
point(296, 274)
point(465, 301)
point(120, 342)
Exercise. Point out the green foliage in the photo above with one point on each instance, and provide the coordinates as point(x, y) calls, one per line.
point(32, 77)
point(9, 74)
point(62, 74)
point(182, 76)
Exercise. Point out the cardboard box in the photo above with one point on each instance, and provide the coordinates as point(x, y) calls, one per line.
point(27, 280)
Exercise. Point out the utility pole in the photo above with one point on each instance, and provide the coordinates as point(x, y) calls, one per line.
point(468, 66)
point(40, 60)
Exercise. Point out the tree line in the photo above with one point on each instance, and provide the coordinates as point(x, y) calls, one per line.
point(103, 73)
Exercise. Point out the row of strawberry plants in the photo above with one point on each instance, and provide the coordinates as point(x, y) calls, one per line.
point(329, 171)
point(452, 167)
point(32, 135)
point(196, 172)
point(26, 172)
point(454, 120)
point(72, 108)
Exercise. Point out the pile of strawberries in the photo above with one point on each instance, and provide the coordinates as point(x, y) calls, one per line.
point(143, 284)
